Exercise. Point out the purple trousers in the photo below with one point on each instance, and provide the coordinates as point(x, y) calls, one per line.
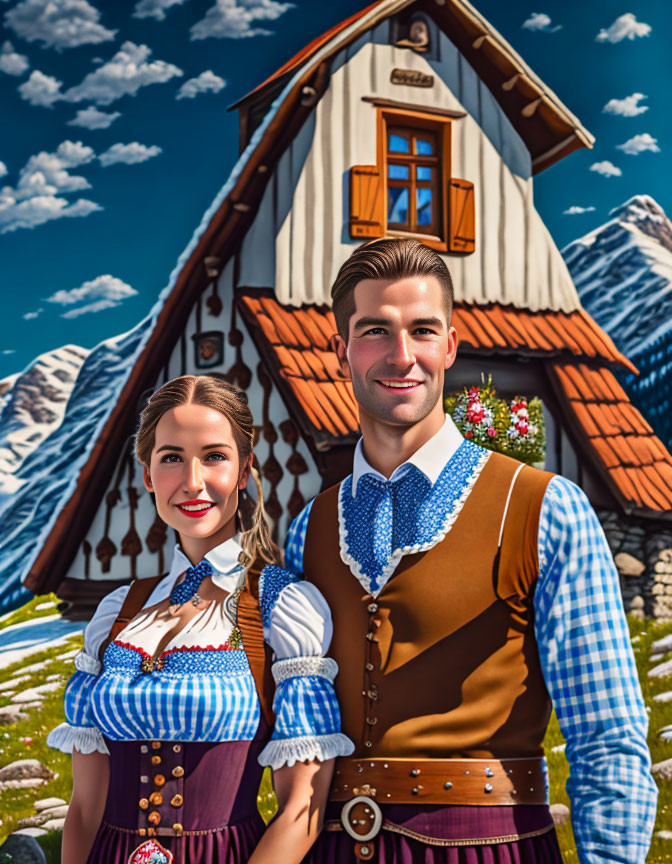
point(521, 834)
point(209, 789)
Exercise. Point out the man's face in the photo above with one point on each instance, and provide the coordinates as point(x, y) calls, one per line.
point(399, 346)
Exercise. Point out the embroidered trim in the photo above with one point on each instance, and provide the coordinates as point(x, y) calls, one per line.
point(86, 739)
point(397, 554)
point(85, 663)
point(294, 667)
point(272, 582)
point(334, 825)
point(290, 750)
point(226, 646)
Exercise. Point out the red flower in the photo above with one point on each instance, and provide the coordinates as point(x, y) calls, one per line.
point(469, 434)
point(492, 432)
point(522, 428)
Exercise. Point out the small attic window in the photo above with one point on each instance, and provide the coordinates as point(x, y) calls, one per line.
point(413, 180)
point(418, 32)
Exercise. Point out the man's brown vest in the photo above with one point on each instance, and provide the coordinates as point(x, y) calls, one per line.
point(444, 662)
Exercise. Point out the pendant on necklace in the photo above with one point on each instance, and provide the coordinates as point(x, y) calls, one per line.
point(196, 600)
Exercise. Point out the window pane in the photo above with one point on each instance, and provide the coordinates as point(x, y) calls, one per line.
point(424, 147)
point(397, 172)
point(398, 144)
point(423, 201)
point(397, 204)
point(423, 173)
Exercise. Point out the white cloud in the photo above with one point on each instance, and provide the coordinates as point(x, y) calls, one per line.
point(9, 351)
point(540, 21)
point(58, 24)
point(203, 83)
point(3, 169)
point(11, 62)
point(29, 316)
point(123, 75)
point(236, 19)
point(154, 8)
point(576, 210)
point(638, 144)
point(41, 90)
point(628, 107)
point(35, 211)
point(625, 27)
point(92, 118)
point(129, 154)
point(43, 179)
point(606, 169)
point(103, 292)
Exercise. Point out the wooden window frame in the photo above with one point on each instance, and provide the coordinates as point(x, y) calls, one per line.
point(388, 117)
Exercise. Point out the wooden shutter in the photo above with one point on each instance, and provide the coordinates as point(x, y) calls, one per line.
point(462, 216)
point(366, 201)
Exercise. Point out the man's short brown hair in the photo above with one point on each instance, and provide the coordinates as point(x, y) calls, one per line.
point(390, 258)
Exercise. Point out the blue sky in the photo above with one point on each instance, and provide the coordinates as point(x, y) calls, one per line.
point(135, 191)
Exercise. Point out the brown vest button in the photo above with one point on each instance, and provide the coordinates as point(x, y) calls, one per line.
point(156, 745)
point(156, 760)
point(372, 721)
point(159, 780)
point(370, 667)
point(177, 800)
point(368, 744)
point(143, 804)
point(144, 748)
point(154, 817)
point(372, 608)
point(373, 695)
point(151, 832)
point(177, 748)
point(142, 832)
point(178, 828)
point(178, 771)
point(156, 798)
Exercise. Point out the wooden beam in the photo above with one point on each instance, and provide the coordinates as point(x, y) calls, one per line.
point(413, 106)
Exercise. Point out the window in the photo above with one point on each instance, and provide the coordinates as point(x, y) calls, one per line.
point(413, 180)
point(410, 190)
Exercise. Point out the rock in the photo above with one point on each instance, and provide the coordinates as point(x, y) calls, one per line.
point(56, 813)
point(35, 667)
point(637, 602)
point(663, 697)
point(25, 769)
point(48, 803)
point(662, 645)
point(32, 821)
point(661, 670)
point(54, 825)
point(31, 832)
point(23, 849)
point(664, 835)
point(55, 677)
point(36, 693)
point(654, 658)
point(628, 565)
point(560, 814)
point(26, 783)
point(69, 654)
point(12, 714)
point(663, 769)
point(665, 733)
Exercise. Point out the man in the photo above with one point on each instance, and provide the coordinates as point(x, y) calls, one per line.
point(466, 590)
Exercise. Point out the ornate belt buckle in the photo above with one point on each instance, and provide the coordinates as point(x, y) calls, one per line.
point(150, 852)
point(362, 818)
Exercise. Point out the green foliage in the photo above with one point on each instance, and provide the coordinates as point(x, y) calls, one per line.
point(515, 428)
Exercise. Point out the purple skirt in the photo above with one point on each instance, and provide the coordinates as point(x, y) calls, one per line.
point(208, 790)
point(448, 835)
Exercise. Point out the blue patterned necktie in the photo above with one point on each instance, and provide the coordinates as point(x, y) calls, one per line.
point(191, 583)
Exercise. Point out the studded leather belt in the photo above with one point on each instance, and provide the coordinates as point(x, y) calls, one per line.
point(484, 782)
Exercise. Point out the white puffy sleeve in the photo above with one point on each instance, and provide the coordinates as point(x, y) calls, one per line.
point(298, 628)
point(79, 731)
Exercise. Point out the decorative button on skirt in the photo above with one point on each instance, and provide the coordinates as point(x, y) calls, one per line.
point(205, 811)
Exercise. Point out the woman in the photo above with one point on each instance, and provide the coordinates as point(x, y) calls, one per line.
point(167, 733)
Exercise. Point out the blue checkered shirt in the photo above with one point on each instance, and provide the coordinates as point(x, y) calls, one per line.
point(589, 669)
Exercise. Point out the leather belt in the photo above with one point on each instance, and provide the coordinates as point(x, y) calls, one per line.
point(484, 782)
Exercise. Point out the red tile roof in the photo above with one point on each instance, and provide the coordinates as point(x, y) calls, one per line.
point(633, 459)
point(295, 343)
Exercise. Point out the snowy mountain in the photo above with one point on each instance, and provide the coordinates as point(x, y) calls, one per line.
point(623, 273)
point(34, 404)
point(51, 417)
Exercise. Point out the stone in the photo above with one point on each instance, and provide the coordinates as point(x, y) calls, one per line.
point(663, 769)
point(560, 813)
point(25, 783)
point(36, 693)
point(48, 803)
point(662, 645)
point(55, 677)
point(56, 813)
point(637, 602)
point(31, 831)
point(35, 667)
point(663, 697)
point(665, 733)
point(69, 654)
point(662, 670)
point(12, 714)
point(54, 825)
point(664, 835)
point(628, 565)
point(13, 682)
point(23, 849)
point(25, 769)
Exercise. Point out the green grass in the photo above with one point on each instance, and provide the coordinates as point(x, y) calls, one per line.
point(17, 804)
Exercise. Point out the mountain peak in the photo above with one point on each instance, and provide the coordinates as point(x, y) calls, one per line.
point(644, 212)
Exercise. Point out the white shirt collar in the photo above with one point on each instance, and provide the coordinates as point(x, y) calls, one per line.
point(431, 458)
point(229, 573)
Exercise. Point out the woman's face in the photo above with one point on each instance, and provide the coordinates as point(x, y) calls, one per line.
point(195, 474)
